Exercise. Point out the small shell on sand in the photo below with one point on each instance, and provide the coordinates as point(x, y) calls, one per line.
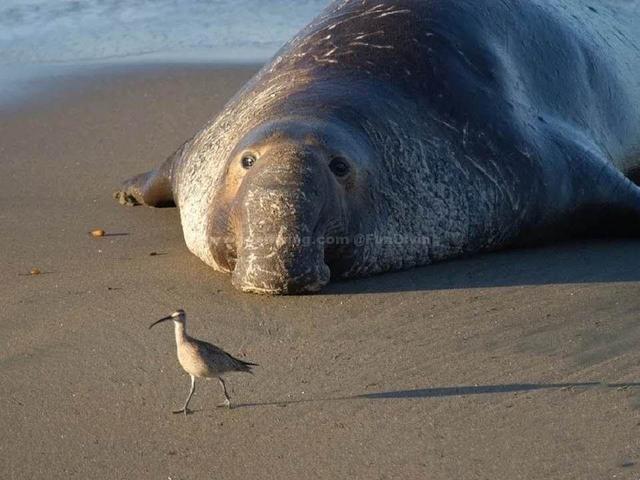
point(98, 232)
point(35, 271)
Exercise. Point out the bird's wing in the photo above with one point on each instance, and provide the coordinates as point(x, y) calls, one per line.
point(207, 348)
point(221, 357)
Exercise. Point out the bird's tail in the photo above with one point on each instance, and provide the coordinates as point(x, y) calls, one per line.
point(245, 366)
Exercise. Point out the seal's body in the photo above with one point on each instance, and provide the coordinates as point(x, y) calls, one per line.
point(394, 133)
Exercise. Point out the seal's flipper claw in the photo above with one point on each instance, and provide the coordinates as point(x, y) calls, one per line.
point(126, 195)
point(152, 189)
point(125, 198)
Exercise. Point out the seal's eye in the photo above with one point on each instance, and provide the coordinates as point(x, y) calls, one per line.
point(339, 167)
point(248, 160)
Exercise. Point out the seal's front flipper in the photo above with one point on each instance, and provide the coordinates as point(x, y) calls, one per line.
point(154, 188)
point(151, 189)
point(610, 200)
point(634, 175)
point(605, 202)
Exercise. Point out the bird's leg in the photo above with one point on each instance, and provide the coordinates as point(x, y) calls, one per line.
point(185, 409)
point(227, 402)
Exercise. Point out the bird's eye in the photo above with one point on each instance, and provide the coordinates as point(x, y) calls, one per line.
point(248, 160)
point(339, 167)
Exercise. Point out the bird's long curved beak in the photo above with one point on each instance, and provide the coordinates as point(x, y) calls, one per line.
point(161, 320)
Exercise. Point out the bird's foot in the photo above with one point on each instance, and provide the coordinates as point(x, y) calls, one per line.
point(225, 404)
point(186, 411)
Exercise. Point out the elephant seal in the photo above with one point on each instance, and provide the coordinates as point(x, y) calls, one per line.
point(394, 133)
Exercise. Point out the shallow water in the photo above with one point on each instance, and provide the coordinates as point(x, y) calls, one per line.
point(39, 39)
point(55, 31)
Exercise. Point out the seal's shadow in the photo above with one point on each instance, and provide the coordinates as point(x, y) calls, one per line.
point(584, 261)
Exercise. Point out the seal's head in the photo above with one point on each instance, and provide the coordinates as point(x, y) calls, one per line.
point(284, 218)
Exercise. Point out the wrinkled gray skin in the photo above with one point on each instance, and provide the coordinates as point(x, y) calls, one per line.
point(389, 134)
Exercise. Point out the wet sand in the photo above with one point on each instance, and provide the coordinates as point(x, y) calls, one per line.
point(519, 364)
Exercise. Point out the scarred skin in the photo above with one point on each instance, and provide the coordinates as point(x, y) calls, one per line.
point(391, 134)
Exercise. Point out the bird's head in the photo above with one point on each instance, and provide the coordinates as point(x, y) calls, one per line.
point(179, 316)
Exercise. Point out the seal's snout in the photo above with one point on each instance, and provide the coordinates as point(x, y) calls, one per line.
point(254, 275)
point(283, 209)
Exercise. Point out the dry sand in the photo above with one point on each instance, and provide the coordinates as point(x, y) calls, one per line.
point(521, 364)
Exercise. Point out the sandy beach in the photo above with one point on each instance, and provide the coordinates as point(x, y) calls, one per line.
point(514, 365)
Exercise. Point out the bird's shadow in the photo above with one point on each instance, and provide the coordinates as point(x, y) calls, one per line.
point(438, 392)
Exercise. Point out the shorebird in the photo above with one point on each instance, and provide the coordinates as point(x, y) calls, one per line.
point(202, 359)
